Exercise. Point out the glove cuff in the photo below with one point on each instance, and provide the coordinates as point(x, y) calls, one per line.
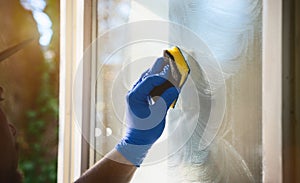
point(133, 153)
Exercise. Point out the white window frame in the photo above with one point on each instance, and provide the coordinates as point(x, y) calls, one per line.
point(71, 50)
point(272, 91)
point(73, 151)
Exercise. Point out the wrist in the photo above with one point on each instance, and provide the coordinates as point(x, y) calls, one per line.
point(135, 154)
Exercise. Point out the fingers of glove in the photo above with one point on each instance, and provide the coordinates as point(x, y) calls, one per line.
point(143, 75)
point(139, 113)
point(143, 89)
point(144, 118)
point(157, 66)
point(168, 96)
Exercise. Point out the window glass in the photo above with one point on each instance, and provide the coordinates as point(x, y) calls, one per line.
point(214, 132)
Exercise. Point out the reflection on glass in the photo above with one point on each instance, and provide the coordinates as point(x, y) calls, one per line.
point(220, 147)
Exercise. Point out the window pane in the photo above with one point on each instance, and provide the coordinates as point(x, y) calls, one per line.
point(214, 132)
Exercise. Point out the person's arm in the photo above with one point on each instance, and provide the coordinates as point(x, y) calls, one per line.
point(112, 168)
point(145, 123)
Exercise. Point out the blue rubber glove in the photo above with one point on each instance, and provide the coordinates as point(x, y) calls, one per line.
point(146, 120)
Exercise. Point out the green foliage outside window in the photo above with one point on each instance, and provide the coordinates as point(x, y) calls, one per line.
point(39, 161)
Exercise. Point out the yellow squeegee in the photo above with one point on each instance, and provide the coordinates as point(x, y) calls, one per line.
point(179, 72)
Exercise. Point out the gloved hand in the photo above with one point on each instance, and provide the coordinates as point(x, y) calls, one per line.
point(145, 119)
